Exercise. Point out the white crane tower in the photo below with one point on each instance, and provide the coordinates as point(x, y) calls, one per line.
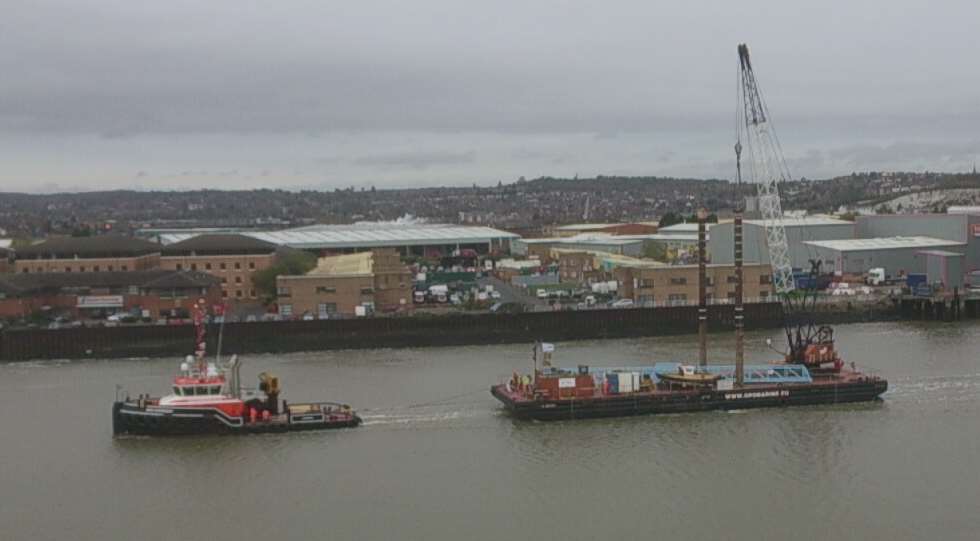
point(767, 169)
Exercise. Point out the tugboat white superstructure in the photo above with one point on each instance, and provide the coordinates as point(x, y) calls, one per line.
point(207, 398)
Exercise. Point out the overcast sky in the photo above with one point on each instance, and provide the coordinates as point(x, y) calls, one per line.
point(298, 94)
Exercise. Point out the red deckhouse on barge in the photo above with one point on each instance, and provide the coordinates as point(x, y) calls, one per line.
point(811, 373)
point(208, 398)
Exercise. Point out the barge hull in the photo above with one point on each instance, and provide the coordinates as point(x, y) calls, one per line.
point(691, 401)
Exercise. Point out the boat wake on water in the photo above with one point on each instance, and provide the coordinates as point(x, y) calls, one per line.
point(963, 387)
point(436, 412)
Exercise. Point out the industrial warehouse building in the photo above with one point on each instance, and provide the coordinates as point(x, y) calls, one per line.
point(962, 228)
point(407, 239)
point(897, 255)
point(596, 243)
point(755, 247)
point(944, 270)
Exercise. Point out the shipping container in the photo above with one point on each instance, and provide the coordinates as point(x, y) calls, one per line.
point(913, 280)
point(612, 380)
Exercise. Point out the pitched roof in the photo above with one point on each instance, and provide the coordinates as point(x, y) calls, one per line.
point(220, 244)
point(882, 243)
point(14, 284)
point(88, 247)
point(359, 264)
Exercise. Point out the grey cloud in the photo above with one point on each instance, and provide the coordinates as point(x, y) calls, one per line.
point(417, 160)
point(174, 85)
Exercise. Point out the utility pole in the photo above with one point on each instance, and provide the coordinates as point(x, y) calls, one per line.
point(702, 292)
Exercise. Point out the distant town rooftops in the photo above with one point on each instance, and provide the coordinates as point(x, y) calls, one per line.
point(371, 235)
point(882, 243)
point(88, 247)
point(219, 244)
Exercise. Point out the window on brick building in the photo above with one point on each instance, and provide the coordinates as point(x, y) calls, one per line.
point(678, 281)
point(222, 266)
point(125, 267)
point(224, 293)
point(238, 293)
point(67, 269)
point(111, 268)
point(207, 266)
point(251, 265)
point(193, 266)
point(326, 289)
point(251, 293)
point(180, 266)
point(286, 309)
point(238, 279)
point(282, 291)
point(765, 279)
point(238, 265)
point(80, 269)
point(96, 268)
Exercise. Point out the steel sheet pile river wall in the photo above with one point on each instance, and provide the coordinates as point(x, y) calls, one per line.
point(280, 336)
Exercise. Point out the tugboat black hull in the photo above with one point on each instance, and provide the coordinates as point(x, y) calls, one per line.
point(761, 396)
point(130, 418)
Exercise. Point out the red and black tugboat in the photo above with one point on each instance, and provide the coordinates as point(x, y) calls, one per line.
point(208, 398)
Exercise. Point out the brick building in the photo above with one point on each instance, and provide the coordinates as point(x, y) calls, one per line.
point(153, 293)
point(376, 281)
point(6, 260)
point(678, 284)
point(576, 266)
point(105, 253)
point(233, 258)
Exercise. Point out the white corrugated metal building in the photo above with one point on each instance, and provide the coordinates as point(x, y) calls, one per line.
point(755, 249)
point(406, 238)
point(897, 255)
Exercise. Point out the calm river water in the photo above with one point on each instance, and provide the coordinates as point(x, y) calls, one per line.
point(436, 458)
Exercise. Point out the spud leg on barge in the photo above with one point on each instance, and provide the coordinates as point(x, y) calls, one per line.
point(857, 389)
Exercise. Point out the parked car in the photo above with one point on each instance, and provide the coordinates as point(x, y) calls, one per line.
point(622, 303)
